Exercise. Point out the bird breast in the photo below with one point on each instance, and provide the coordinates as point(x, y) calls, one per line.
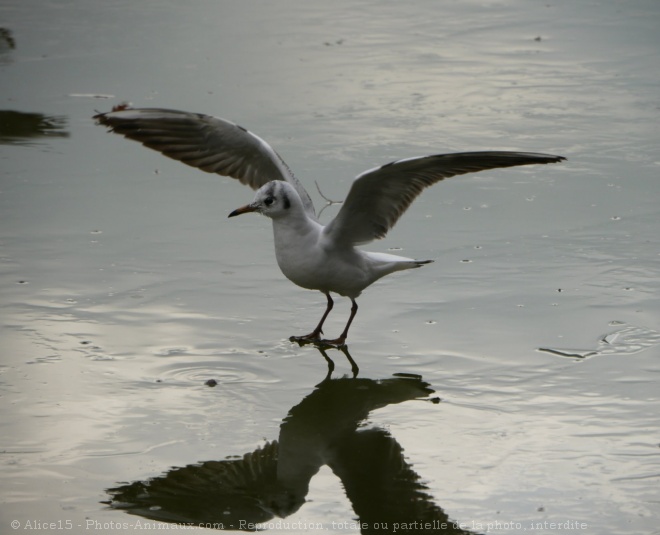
point(306, 259)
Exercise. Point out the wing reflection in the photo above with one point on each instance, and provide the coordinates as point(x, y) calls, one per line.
point(17, 127)
point(273, 481)
point(7, 45)
point(7, 41)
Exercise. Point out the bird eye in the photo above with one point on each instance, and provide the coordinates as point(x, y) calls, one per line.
point(268, 201)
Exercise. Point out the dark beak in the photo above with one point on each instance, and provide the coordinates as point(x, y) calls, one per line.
point(243, 210)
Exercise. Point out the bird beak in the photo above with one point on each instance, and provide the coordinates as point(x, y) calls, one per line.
point(244, 210)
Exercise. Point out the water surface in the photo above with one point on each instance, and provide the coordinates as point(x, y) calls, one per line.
point(125, 289)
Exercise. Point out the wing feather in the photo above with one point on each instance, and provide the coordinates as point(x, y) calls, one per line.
point(379, 197)
point(208, 143)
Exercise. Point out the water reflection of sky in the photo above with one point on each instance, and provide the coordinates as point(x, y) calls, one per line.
point(126, 289)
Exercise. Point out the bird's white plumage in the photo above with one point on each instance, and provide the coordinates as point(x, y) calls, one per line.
point(311, 255)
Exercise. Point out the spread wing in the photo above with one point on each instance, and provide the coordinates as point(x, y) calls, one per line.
point(208, 143)
point(379, 197)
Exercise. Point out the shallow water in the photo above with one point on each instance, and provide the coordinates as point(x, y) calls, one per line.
point(125, 289)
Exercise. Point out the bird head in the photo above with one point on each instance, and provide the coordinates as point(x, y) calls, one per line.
point(274, 199)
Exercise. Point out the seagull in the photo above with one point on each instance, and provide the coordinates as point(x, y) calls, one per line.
point(310, 254)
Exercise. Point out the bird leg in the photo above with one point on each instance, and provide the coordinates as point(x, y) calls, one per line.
point(314, 336)
point(341, 341)
point(354, 366)
point(331, 363)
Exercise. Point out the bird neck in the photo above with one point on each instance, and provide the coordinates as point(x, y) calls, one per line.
point(295, 228)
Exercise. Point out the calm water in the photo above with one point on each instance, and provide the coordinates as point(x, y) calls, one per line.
point(511, 385)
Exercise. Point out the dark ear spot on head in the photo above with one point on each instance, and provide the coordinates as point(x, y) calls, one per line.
point(286, 201)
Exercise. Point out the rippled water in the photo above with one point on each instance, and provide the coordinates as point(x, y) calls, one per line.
point(510, 385)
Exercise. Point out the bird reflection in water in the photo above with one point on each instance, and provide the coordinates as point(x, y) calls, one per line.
point(322, 348)
point(273, 480)
point(21, 128)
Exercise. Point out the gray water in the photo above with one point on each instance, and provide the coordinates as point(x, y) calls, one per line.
point(125, 288)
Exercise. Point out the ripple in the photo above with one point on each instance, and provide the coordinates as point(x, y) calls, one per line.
point(626, 341)
point(205, 372)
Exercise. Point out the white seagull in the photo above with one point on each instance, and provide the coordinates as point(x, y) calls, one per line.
point(311, 255)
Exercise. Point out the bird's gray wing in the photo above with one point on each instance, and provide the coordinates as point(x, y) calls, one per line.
point(378, 197)
point(208, 143)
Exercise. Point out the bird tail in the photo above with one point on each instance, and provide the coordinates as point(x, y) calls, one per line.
point(388, 263)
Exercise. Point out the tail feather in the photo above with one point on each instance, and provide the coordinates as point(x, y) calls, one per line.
point(388, 263)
